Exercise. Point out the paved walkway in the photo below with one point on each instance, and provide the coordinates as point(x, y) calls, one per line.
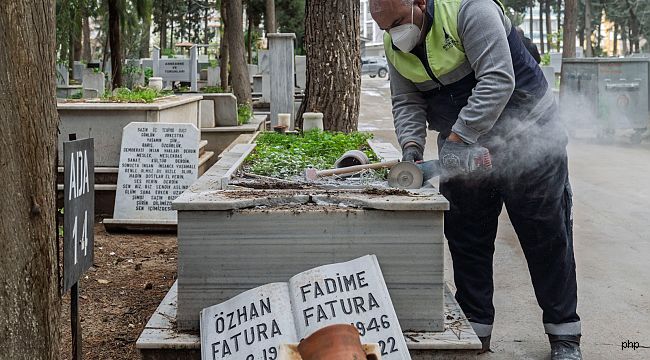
point(611, 185)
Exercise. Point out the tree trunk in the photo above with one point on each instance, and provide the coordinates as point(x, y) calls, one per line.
point(569, 30)
point(634, 29)
point(269, 17)
point(235, 36)
point(71, 53)
point(171, 33)
point(77, 30)
point(549, 26)
point(87, 51)
point(598, 37)
point(206, 30)
point(114, 40)
point(541, 27)
point(559, 24)
point(624, 39)
point(249, 46)
point(29, 297)
point(333, 63)
point(223, 48)
point(615, 40)
point(531, 24)
point(145, 39)
point(589, 50)
point(163, 25)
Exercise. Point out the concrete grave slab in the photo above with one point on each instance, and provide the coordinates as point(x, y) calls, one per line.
point(105, 121)
point(225, 108)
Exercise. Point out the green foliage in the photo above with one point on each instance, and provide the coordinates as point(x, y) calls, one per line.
point(290, 18)
point(286, 155)
point(212, 89)
point(213, 63)
point(244, 113)
point(76, 96)
point(137, 95)
point(168, 52)
point(148, 73)
point(546, 59)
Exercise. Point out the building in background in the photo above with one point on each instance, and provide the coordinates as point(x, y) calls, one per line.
point(535, 36)
point(372, 37)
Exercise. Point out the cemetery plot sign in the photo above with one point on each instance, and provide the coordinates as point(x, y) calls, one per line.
point(175, 70)
point(79, 210)
point(158, 162)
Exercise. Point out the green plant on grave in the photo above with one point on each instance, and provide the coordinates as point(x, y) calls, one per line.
point(76, 96)
point(137, 95)
point(546, 59)
point(131, 74)
point(148, 73)
point(286, 155)
point(244, 113)
point(169, 53)
point(213, 63)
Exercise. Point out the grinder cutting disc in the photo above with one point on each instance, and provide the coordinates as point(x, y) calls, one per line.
point(405, 175)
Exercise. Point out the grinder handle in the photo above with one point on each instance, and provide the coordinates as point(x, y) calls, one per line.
point(349, 169)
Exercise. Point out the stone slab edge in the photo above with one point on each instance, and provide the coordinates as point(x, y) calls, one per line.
point(162, 104)
point(139, 225)
point(243, 150)
point(214, 178)
point(160, 332)
point(252, 126)
point(420, 202)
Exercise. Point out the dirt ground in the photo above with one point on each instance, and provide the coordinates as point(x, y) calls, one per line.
point(132, 274)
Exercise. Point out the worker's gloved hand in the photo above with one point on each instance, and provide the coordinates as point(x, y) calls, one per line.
point(412, 153)
point(458, 158)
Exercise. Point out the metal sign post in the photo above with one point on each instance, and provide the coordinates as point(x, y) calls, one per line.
point(78, 221)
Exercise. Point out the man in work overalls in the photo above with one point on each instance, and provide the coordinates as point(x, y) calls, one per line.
point(459, 67)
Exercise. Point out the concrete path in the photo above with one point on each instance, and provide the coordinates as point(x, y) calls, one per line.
point(611, 185)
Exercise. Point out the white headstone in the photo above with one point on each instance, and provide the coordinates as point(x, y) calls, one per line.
point(174, 69)
point(282, 70)
point(62, 75)
point(77, 70)
point(214, 76)
point(257, 84)
point(158, 162)
point(301, 71)
point(225, 109)
point(263, 61)
point(252, 71)
point(94, 80)
point(207, 114)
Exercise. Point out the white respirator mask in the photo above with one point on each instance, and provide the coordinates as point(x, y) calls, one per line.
point(406, 36)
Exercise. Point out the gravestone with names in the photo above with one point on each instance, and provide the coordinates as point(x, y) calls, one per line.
point(158, 162)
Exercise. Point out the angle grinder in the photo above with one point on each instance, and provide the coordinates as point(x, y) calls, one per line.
point(410, 175)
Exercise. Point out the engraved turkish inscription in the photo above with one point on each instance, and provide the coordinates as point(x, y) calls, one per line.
point(158, 162)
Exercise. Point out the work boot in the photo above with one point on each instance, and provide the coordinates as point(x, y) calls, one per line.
point(485, 343)
point(565, 347)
